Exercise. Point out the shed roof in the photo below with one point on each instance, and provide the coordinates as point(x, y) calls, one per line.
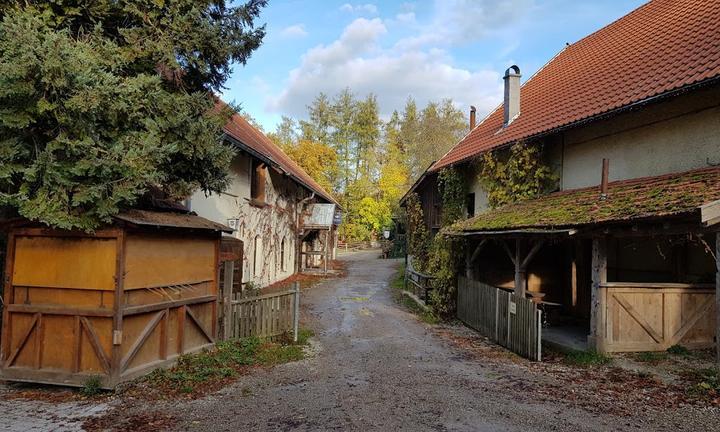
point(149, 218)
point(630, 200)
point(249, 138)
point(658, 49)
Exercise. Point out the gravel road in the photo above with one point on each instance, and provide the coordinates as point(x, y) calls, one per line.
point(377, 367)
point(374, 367)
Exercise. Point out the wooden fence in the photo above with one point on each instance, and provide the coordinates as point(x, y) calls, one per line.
point(265, 316)
point(511, 321)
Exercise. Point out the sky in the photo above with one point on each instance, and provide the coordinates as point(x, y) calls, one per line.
point(430, 50)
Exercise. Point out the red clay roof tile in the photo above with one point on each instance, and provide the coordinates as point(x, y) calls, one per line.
point(662, 46)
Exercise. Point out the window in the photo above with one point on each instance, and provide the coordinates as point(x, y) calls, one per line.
point(257, 255)
point(282, 255)
point(257, 183)
point(470, 204)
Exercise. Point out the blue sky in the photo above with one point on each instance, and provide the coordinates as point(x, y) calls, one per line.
point(429, 50)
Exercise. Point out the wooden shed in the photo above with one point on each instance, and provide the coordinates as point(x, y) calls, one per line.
point(116, 303)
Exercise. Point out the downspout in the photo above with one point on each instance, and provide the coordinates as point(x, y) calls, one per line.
point(298, 243)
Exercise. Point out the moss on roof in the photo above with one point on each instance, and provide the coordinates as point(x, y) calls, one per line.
point(667, 195)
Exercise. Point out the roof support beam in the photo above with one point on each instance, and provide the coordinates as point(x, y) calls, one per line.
point(471, 258)
point(598, 298)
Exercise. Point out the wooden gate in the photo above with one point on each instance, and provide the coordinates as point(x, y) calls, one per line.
point(654, 317)
point(511, 321)
point(266, 316)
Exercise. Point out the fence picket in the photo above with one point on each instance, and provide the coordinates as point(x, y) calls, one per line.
point(264, 316)
point(487, 309)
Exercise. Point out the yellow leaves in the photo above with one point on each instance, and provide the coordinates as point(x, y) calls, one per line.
point(317, 159)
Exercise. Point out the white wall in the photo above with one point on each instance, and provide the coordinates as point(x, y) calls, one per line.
point(265, 227)
point(674, 136)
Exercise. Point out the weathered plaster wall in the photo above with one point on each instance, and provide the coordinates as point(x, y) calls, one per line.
point(674, 136)
point(264, 230)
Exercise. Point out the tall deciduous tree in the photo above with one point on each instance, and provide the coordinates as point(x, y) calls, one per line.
point(102, 100)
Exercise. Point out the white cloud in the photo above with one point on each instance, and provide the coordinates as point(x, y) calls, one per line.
point(457, 22)
point(358, 61)
point(294, 31)
point(367, 8)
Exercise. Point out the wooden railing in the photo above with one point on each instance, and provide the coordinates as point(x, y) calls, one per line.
point(420, 284)
point(511, 321)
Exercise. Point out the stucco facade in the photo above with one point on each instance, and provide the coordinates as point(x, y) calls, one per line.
point(673, 136)
point(677, 135)
point(268, 232)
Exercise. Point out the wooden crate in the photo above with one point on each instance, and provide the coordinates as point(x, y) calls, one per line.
point(113, 304)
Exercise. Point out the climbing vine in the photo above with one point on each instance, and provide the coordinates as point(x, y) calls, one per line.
point(515, 174)
point(418, 237)
point(446, 253)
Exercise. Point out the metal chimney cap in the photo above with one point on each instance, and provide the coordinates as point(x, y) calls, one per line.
point(512, 71)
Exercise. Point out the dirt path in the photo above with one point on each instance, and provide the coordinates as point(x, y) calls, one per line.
point(379, 368)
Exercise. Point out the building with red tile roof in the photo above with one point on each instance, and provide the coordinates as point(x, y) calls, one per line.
point(266, 205)
point(625, 246)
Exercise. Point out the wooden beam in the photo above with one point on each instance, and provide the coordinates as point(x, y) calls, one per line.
point(227, 299)
point(536, 247)
point(478, 249)
point(96, 345)
point(710, 213)
point(598, 302)
point(510, 254)
point(471, 258)
point(520, 275)
point(142, 338)
point(208, 335)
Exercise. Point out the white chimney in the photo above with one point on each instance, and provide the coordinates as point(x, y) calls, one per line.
point(511, 104)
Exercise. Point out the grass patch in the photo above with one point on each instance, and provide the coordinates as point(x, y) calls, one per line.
point(651, 357)
point(398, 285)
point(679, 350)
point(704, 382)
point(92, 386)
point(227, 360)
point(586, 358)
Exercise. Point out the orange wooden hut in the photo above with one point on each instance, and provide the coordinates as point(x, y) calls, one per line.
point(115, 303)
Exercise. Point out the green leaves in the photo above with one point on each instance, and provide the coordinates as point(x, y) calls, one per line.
point(515, 174)
point(100, 101)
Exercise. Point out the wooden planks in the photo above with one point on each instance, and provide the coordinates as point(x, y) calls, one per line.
point(658, 316)
point(511, 321)
point(265, 316)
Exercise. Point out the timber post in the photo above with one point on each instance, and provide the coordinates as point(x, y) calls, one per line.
point(296, 312)
point(598, 305)
point(229, 270)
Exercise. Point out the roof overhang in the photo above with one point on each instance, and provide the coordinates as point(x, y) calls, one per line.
point(276, 166)
point(710, 213)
